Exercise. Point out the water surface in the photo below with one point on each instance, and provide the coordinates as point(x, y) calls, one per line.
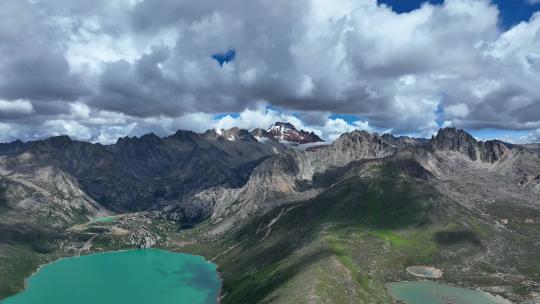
point(148, 276)
point(435, 293)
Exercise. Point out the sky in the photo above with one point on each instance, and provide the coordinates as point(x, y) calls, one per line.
point(99, 70)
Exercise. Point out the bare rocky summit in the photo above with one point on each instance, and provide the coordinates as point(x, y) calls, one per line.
point(284, 131)
point(453, 139)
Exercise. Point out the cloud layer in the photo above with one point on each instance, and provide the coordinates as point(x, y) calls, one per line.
point(102, 69)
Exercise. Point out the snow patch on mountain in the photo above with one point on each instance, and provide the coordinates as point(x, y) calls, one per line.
point(284, 131)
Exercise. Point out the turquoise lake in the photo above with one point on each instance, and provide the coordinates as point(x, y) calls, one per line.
point(435, 293)
point(132, 276)
point(104, 219)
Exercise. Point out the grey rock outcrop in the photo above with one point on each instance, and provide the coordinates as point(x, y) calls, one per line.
point(138, 173)
point(452, 139)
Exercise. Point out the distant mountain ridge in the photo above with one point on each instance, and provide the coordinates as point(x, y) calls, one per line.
point(450, 138)
point(138, 173)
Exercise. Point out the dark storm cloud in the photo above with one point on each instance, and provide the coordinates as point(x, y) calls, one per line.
point(38, 76)
point(138, 89)
point(32, 56)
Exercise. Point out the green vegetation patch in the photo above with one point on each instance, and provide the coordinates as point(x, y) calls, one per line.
point(344, 255)
point(256, 285)
point(394, 238)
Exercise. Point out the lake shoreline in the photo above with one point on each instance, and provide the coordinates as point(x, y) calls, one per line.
point(494, 299)
point(26, 280)
point(60, 258)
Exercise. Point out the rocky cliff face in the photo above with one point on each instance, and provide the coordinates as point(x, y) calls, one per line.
point(300, 175)
point(302, 165)
point(353, 146)
point(358, 145)
point(147, 172)
point(292, 176)
point(44, 196)
point(452, 139)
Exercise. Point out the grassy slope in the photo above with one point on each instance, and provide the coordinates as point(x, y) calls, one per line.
point(16, 263)
point(26, 243)
point(360, 233)
point(22, 250)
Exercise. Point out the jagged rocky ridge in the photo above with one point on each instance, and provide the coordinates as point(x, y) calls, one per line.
point(193, 176)
point(297, 175)
point(142, 173)
point(460, 141)
point(286, 132)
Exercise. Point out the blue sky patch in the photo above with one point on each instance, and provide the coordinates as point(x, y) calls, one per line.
point(405, 6)
point(221, 115)
point(226, 57)
point(439, 112)
point(505, 135)
point(349, 118)
point(512, 11)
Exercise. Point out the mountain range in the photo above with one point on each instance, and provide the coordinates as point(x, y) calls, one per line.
point(288, 217)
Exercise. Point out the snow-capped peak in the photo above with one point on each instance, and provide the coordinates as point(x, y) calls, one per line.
point(232, 134)
point(280, 127)
point(284, 131)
